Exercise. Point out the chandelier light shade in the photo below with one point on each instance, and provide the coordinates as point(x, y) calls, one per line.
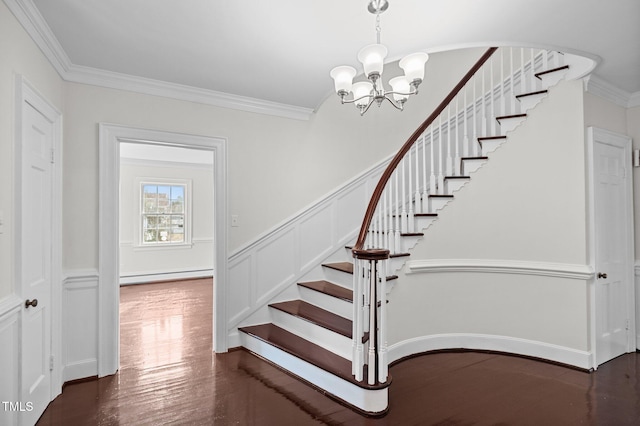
point(343, 78)
point(372, 58)
point(413, 66)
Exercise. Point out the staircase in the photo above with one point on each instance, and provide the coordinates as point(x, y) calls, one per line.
point(324, 338)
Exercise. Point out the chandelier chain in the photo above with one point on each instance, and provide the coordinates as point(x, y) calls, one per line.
point(378, 29)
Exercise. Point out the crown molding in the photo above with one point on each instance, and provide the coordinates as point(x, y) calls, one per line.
point(34, 24)
point(599, 87)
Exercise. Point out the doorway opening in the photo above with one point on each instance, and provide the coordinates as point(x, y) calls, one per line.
point(166, 251)
point(112, 139)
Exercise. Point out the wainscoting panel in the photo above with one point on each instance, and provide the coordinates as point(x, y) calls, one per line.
point(9, 356)
point(80, 325)
point(264, 269)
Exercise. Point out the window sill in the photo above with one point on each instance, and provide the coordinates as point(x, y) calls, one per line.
point(154, 247)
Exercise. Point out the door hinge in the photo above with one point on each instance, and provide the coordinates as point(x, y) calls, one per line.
point(627, 324)
point(53, 160)
point(51, 363)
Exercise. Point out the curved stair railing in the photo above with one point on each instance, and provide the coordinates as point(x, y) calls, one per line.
point(471, 121)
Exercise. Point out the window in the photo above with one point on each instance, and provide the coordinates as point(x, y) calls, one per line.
point(164, 213)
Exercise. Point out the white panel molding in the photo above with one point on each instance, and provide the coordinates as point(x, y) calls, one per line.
point(517, 267)
point(34, 24)
point(330, 210)
point(10, 307)
point(80, 324)
point(532, 348)
point(602, 88)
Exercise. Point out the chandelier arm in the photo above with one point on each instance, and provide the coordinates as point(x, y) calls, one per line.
point(393, 103)
point(365, 109)
point(413, 92)
point(347, 101)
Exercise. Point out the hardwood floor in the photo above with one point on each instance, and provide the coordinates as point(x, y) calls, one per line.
point(169, 375)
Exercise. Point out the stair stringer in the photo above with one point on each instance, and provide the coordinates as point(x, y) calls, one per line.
point(552, 179)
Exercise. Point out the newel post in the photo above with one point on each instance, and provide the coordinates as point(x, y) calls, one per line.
point(370, 313)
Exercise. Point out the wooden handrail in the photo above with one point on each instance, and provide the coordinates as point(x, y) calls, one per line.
point(377, 193)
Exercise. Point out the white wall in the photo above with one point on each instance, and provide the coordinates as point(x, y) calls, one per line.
point(136, 261)
point(277, 166)
point(18, 55)
point(528, 204)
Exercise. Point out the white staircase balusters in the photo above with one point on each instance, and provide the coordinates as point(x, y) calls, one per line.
point(449, 171)
point(410, 213)
point(456, 160)
point(383, 362)
point(440, 184)
point(420, 173)
point(424, 204)
point(492, 112)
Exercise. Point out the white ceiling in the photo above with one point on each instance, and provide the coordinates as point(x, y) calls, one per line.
point(282, 50)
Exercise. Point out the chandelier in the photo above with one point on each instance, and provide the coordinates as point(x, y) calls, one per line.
point(365, 93)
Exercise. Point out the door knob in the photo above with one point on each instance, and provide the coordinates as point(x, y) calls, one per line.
point(601, 275)
point(33, 303)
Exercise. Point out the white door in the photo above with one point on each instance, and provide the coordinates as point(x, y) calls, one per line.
point(35, 267)
point(614, 288)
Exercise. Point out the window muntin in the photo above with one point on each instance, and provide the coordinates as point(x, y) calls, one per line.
point(163, 214)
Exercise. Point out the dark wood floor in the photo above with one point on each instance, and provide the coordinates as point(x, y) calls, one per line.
point(169, 375)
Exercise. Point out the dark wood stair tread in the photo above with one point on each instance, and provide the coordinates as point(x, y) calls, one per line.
point(340, 266)
point(539, 92)
point(457, 177)
point(440, 196)
point(316, 315)
point(473, 158)
point(330, 289)
point(541, 73)
point(307, 351)
point(489, 138)
point(348, 266)
point(426, 214)
point(394, 255)
point(506, 117)
point(412, 234)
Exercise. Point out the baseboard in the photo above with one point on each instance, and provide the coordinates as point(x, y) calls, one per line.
point(165, 276)
point(531, 348)
point(80, 370)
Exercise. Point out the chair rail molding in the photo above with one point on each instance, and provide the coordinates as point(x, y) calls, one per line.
point(501, 266)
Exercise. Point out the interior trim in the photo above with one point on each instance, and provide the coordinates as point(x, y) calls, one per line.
point(518, 267)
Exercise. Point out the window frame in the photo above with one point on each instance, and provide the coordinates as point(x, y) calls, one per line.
point(187, 213)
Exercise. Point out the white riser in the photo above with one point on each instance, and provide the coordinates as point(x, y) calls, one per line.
point(423, 223)
point(407, 243)
point(453, 185)
point(334, 342)
point(528, 102)
point(509, 124)
point(338, 277)
point(372, 401)
point(328, 303)
point(438, 203)
point(471, 166)
point(489, 146)
point(551, 79)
